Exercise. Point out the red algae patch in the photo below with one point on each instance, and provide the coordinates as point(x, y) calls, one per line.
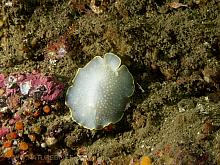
point(4, 131)
point(35, 84)
point(25, 101)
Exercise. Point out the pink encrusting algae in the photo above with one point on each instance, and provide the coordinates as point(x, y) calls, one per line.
point(51, 88)
point(3, 131)
point(32, 84)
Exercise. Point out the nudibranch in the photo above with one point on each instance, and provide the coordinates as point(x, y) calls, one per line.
point(100, 92)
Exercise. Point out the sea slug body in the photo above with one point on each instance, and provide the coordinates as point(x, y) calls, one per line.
point(100, 92)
